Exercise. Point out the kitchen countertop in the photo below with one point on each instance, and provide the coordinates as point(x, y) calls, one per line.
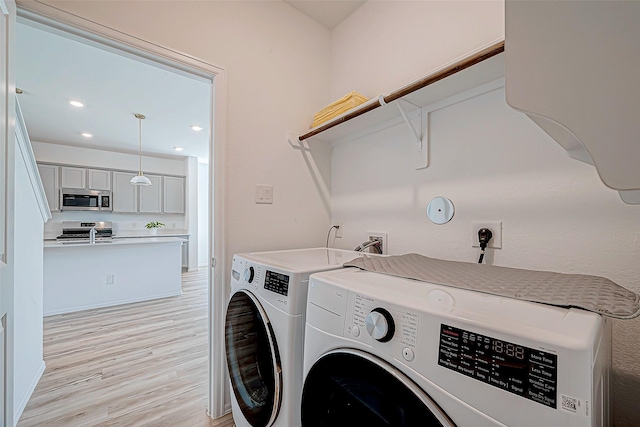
point(116, 242)
point(145, 233)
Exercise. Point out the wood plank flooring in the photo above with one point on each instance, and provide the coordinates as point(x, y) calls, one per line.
point(142, 364)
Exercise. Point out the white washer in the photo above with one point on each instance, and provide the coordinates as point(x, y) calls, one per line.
point(265, 331)
point(387, 351)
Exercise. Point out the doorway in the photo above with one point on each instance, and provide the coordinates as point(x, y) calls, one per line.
point(97, 36)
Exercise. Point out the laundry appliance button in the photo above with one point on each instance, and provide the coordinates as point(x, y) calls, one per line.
point(248, 274)
point(380, 325)
point(407, 353)
point(355, 330)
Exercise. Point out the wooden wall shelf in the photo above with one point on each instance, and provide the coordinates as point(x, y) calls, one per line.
point(483, 66)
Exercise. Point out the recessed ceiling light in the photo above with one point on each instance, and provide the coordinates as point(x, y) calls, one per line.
point(86, 135)
point(76, 103)
point(196, 128)
point(178, 148)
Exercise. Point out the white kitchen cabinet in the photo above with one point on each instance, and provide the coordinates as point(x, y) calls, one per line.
point(73, 177)
point(89, 179)
point(167, 194)
point(125, 195)
point(99, 179)
point(50, 176)
point(150, 198)
point(173, 192)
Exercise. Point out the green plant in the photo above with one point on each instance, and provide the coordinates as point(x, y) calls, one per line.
point(154, 224)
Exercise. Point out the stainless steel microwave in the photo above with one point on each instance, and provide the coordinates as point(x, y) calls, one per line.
point(73, 199)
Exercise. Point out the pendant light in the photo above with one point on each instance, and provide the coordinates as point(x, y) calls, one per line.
point(140, 179)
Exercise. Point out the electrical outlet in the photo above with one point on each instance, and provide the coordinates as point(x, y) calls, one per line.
point(378, 235)
point(339, 229)
point(109, 279)
point(496, 231)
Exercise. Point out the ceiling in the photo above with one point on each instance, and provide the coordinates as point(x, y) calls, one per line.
point(328, 13)
point(53, 69)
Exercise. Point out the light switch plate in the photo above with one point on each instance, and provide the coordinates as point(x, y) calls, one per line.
point(264, 194)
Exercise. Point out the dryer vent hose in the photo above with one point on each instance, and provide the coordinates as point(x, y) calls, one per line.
point(375, 245)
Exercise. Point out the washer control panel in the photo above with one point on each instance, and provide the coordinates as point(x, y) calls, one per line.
point(394, 329)
point(520, 370)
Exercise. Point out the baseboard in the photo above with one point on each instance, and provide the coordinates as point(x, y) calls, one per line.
point(18, 410)
point(108, 304)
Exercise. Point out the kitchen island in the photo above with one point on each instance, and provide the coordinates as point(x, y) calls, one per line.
point(80, 275)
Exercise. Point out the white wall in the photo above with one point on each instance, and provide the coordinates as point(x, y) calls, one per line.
point(491, 161)
point(67, 154)
point(193, 213)
point(203, 214)
point(386, 45)
point(277, 64)
point(277, 76)
point(28, 271)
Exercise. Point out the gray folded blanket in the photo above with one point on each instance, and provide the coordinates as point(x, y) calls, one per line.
point(593, 293)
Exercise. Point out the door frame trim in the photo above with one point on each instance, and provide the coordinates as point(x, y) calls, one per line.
point(126, 44)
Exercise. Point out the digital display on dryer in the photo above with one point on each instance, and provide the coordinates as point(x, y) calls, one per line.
point(276, 282)
point(530, 373)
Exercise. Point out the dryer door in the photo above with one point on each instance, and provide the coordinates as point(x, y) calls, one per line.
point(253, 360)
point(350, 387)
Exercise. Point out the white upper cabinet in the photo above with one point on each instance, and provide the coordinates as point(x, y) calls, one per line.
point(99, 179)
point(572, 66)
point(74, 177)
point(90, 179)
point(173, 194)
point(151, 196)
point(50, 177)
point(165, 195)
point(125, 195)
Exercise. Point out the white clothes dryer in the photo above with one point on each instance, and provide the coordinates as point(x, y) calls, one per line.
point(388, 351)
point(264, 331)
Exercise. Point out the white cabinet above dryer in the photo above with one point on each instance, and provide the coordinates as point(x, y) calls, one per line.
point(572, 67)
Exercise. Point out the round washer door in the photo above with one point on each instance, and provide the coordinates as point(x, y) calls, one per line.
point(253, 360)
point(350, 387)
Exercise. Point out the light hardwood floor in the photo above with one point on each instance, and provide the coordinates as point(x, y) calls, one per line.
point(142, 364)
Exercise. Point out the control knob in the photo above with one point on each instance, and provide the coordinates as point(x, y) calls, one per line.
point(248, 274)
point(380, 324)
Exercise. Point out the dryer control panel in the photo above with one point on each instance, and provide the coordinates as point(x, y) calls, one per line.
point(520, 370)
point(276, 282)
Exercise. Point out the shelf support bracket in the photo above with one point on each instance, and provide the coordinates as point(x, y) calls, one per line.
point(297, 144)
point(422, 159)
point(415, 133)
